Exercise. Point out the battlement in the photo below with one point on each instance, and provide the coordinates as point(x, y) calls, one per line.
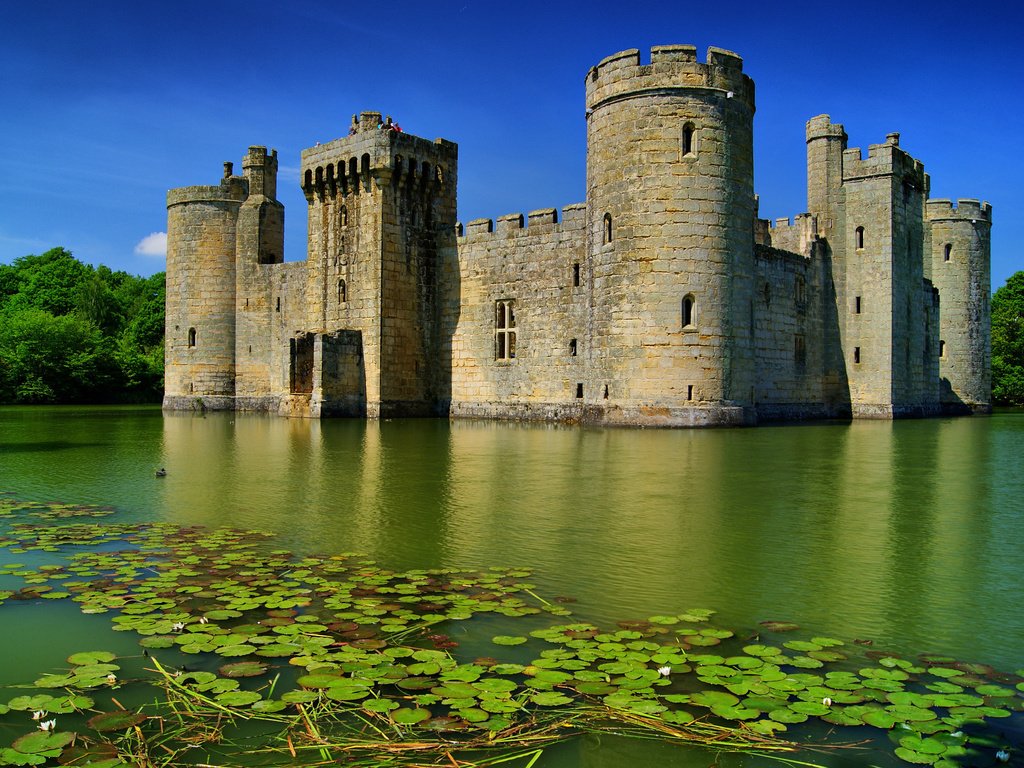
point(540, 222)
point(883, 160)
point(794, 236)
point(232, 189)
point(672, 67)
point(822, 127)
point(962, 210)
point(374, 148)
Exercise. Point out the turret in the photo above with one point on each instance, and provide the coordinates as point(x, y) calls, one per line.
point(200, 324)
point(670, 232)
point(959, 248)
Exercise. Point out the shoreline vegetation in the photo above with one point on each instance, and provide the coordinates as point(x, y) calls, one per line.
point(73, 333)
point(251, 654)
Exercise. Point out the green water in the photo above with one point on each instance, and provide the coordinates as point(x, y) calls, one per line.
point(903, 534)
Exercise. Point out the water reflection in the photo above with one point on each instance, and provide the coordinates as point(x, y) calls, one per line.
point(896, 533)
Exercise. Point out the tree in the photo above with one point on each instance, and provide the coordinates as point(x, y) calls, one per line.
point(1008, 342)
point(70, 332)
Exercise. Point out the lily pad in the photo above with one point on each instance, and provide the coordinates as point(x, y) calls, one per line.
point(118, 720)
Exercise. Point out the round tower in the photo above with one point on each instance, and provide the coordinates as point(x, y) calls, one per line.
point(960, 254)
point(200, 325)
point(670, 236)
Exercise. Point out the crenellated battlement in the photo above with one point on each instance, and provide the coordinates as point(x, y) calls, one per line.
point(822, 127)
point(375, 149)
point(543, 221)
point(883, 160)
point(795, 236)
point(966, 209)
point(672, 67)
point(232, 189)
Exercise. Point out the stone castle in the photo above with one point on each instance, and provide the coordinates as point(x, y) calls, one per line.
point(661, 300)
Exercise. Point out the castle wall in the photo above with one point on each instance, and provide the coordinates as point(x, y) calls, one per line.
point(789, 335)
point(535, 272)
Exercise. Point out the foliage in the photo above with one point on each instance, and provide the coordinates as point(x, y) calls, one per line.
point(73, 333)
point(1008, 342)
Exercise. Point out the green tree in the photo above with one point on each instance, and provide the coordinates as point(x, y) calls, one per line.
point(1008, 342)
point(51, 359)
point(73, 333)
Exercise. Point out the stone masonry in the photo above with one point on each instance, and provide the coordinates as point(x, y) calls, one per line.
point(661, 300)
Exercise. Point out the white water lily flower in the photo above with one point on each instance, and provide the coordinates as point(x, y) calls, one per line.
point(111, 678)
point(48, 725)
point(1003, 756)
point(827, 701)
point(178, 626)
point(203, 620)
point(39, 714)
point(664, 671)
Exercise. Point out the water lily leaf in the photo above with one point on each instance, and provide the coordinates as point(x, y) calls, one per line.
point(508, 640)
point(299, 697)
point(550, 699)
point(714, 698)
point(408, 716)
point(269, 705)
point(787, 716)
point(118, 720)
point(760, 650)
point(242, 649)
point(918, 758)
point(595, 688)
point(238, 698)
point(879, 718)
point(243, 669)
point(381, 706)
point(42, 742)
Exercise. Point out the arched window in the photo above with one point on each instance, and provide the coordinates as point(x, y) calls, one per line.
point(342, 292)
point(947, 251)
point(688, 311)
point(504, 330)
point(191, 337)
point(607, 229)
point(688, 146)
point(942, 349)
point(859, 238)
point(343, 216)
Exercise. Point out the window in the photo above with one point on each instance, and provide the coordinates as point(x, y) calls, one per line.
point(688, 308)
point(689, 391)
point(947, 251)
point(191, 337)
point(942, 349)
point(688, 146)
point(607, 228)
point(576, 275)
point(343, 216)
point(572, 348)
point(342, 292)
point(799, 350)
point(504, 329)
point(856, 305)
point(278, 309)
point(856, 355)
point(858, 237)
point(579, 390)
point(800, 291)
point(605, 391)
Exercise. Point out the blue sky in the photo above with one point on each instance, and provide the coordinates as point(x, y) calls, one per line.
point(106, 105)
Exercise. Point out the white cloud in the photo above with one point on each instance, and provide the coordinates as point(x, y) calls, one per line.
point(154, 244)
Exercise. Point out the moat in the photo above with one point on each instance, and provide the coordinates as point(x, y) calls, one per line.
point(904, 534)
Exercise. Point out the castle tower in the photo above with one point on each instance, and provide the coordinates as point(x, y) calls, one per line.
point(381, 213)
point(959, 251)
point(670, 235)
point(870, 212)
point(200, 322)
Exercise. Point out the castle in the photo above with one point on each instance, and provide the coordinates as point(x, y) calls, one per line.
point(661, 300)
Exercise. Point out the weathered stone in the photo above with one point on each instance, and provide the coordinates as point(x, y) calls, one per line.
point(661, 300)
